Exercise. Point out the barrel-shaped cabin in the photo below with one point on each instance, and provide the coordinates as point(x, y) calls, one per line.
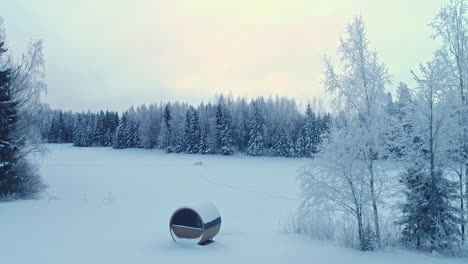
point(199, 223)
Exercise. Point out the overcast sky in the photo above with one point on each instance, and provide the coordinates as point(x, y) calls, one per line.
point(111, 54)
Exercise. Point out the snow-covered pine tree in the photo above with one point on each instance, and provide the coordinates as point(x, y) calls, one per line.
point(110, 125)
point(122, 137)
point(80, 132)
point(415, 207)
point(114, 123)
point(224, 132)
point(59, 128)
point(90, 124)
point(255, 146)
point(192, 131)
point(52, 136)
point(149, 128)
point(400, 128)
point(205, 118)
point(67, 127)
point(429, 218)
point(300, 150)
point(368, 238)
point(134, 134)
point(17, 178)
point(310, 132)
point(153, 133)
point(212, 135)
point(9, 181)
point(164, 139)
point(99, 129)
point(241, 123)
point(282, 143)
point(177, 127)
point(203, 146)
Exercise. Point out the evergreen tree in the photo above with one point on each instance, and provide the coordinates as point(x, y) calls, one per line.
point(203, 146)
point(310, 133)
point(122, 137)
point(428, 214)
point(282, 144)
point(99, 131)
point(177, 127)
point(132, 130)
point(255, 146)
point(415, 208)
point(111, 123)
point(149, 127)
point(66, 124)
point(9, 181)
point(166, 131)
point(17, 177)
point(300, 146)
point(80, 132)
point(212, 135)
point(369, 242)
point(61, 128)
point(224, 133)
point(192, 130)
point(52, 136)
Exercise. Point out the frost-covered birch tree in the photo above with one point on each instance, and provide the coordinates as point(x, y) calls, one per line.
point(451, 26)
point(358, 88)
point(428, 212)
point(336, 181)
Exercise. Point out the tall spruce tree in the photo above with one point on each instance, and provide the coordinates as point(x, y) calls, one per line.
point(80, 132)
point(310, 133)
point(300, 147)
point(282, 144)
point(224, 132)
point(99, 131)
point(52, 136)
point(9, 181)
point(166, 130)
point(192, 131)
point(18, 179)
point(255, 146)
point(133, 132)
point(429, 217)
point(122, 136)
point(203, 146)
point(415, 208)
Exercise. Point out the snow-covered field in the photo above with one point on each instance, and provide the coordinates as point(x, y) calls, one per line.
point(113, 206)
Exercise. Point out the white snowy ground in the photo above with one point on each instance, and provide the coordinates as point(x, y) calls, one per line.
point(113, 206)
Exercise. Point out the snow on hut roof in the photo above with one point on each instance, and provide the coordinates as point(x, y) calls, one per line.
point(207, 211)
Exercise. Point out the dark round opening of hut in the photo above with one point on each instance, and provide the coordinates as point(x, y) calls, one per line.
point(198, 223)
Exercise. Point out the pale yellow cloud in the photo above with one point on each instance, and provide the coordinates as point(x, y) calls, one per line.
point(114, 53)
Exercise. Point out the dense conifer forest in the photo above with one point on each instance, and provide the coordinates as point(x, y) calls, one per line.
point(272, 127)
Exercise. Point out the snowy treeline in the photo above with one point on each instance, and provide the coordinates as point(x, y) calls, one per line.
point(273, 126)
point(425, 126)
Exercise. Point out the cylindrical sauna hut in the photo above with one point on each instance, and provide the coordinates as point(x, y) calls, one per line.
point(199, 223)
